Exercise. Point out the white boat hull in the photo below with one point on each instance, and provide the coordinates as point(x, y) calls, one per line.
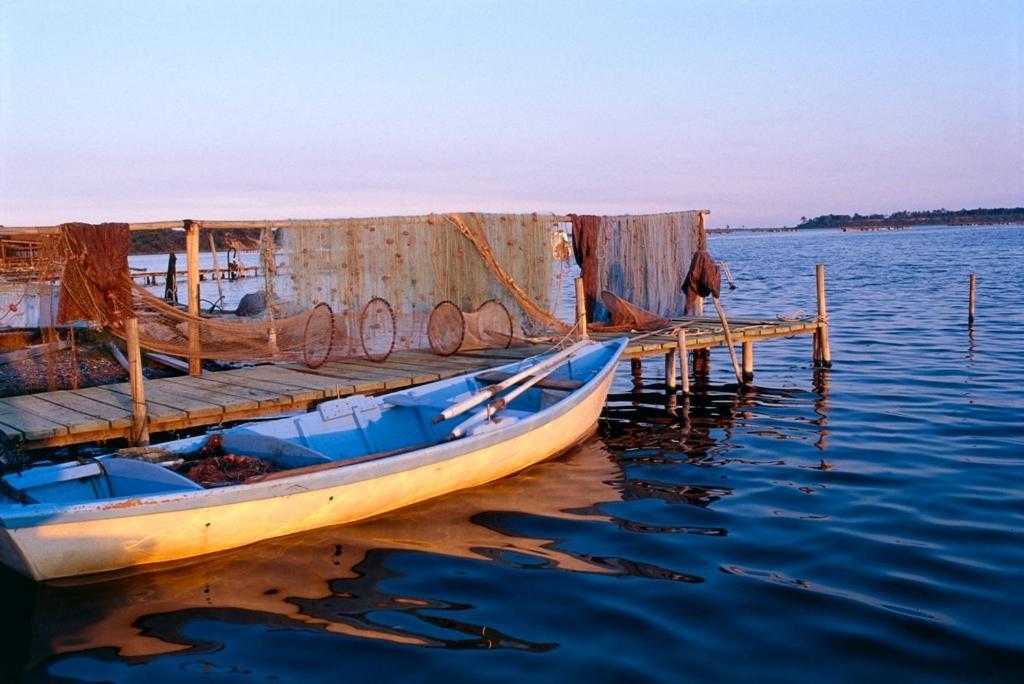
point(123, 533)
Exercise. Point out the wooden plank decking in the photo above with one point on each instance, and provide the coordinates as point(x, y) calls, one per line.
point(52, 419)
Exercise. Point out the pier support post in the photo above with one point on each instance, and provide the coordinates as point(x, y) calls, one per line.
point(140, 421)
point(581, 312)
point(970, 301)
point(636, 369)
point(702, 362)
point(670, 370)
point(823, 353)
point(748, 361)
point(684, 361)
point(195, 365)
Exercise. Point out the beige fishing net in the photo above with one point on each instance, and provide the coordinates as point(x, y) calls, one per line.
point(344, 288)
point(441, 282)
point(366, 287)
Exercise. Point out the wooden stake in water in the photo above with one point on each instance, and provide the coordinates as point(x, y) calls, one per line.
point(970, 302)
point(824, 350)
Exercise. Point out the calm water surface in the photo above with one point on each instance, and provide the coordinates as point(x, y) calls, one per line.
point(865, 522)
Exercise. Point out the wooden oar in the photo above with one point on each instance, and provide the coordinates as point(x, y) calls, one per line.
point(498, 404)
point(728, 341)
point(488, 392)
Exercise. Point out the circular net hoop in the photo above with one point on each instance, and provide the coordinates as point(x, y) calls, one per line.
point(446, 328)
point(489, 326)
point(377, 329)
point(318, 335)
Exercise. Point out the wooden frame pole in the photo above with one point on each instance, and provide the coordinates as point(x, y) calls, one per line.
point(581, 312)
point(195, 365)
point(140, 421)
point(824, 351)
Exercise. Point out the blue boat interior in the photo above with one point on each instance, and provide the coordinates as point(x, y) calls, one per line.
point(350, 429)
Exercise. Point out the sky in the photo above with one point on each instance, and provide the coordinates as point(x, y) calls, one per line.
point(762, 112)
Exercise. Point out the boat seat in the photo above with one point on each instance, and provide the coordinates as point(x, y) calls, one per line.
point(412, 401)
point(132, 477)
point(283, 453)
point(44, 477)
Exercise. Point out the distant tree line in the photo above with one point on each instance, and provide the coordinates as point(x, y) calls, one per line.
point(164, 241)
point(917, 218)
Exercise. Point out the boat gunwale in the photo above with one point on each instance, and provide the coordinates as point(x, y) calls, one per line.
point(15, 515)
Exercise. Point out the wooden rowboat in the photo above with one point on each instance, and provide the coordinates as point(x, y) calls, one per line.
point(351, 459)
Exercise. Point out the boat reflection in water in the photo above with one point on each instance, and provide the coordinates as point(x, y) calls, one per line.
point(335, 580)
point(330, 579)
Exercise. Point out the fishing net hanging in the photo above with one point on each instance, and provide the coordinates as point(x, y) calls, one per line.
point(29, 287)
point(642, 259)
point(96, 286)
point(417, 263)
point(353, 288)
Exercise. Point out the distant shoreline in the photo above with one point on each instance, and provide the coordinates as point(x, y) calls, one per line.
point(859, 228)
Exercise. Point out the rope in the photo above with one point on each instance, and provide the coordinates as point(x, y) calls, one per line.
point(483, 247)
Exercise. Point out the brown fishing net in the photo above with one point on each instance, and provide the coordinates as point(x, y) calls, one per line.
point(642, 259)
point(625, 316)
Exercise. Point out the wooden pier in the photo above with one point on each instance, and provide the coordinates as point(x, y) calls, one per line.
point(53, 419)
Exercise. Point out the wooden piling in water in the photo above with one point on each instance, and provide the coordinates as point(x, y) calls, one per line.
point(636, 369)
point(823, 353)
point(684, 361)
point(748, 361)
point(970, 301)
point(670, 370)
point(702, 362)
